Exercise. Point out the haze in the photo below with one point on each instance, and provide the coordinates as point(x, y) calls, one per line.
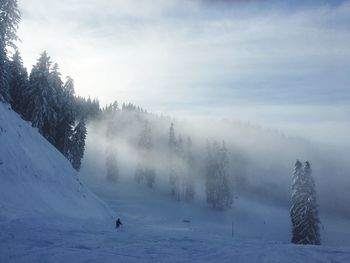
point(284, 66)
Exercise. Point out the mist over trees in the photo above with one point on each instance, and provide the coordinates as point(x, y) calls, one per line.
point(252, 163)
point(181, 163)
point(163, 159)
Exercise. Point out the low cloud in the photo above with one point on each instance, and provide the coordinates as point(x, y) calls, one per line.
point(194, 57)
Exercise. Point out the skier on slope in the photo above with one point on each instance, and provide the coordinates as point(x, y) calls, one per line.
point(118, 223)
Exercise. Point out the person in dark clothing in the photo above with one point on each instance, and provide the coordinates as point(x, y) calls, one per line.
point(118, 223)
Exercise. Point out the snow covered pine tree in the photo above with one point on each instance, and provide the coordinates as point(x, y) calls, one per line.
point(112, 165)
point(218, 181)
point(9, 19)
point(77, 147)
point(42, 99)
point(18, 84)
point(145, 169)
point(189, 180)
point(304, 213)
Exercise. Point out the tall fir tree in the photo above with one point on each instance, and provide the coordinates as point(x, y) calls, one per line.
point(9, 19)
point(180, 161)
point(43, 99)
point(189, 180)
point(56, 86)
point(304, 210)
point(77, 145)
point(112, 166)
point(18, 84)
point(172, 138)
point(145, 170)
point(219, 190)
point(210, 175)
point(225, 183)
point(174, 178)
point(65, 116)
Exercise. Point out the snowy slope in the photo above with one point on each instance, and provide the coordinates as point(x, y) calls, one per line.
point(35, 179)
point(37, 185)
point(153, 231)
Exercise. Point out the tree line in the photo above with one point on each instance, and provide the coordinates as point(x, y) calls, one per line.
point(176, 156)
point(219, 180)
point(41, 96)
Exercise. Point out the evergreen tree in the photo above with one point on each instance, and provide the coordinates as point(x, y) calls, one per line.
point(180, 161)
point(77, 145)
point(112, 166)
point(9, 19)
point(65, 115)
point(218, 181)
point(42, 99)
point(304, 212)
point(225, 182)
point(18, 84)
point(210, 175)
point(189, 181)
point(174, 178)
point(172, 139)
point(111, 108)
point(86, 108)
point(144, 169)
point(56, 86)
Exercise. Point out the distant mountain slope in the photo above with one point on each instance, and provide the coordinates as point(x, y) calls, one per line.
point(35, 179)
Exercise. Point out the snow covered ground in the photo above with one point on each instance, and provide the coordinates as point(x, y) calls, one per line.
point(153, 231)
point(36, 179)
point(47, 214)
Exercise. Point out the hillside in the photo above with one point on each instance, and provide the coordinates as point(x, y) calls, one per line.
point(36, 180)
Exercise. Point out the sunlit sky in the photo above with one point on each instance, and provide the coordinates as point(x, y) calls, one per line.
point(285, 66)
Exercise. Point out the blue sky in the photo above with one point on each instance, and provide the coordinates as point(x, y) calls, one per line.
point(283, 65)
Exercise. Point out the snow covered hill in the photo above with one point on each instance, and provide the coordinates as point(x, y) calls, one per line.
point(36, 181)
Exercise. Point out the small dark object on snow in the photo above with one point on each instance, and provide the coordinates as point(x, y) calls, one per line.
point(118, 223)
point(186, 221)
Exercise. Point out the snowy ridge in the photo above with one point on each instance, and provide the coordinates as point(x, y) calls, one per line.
point(35, 179)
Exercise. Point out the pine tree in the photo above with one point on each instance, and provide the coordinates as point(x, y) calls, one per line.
point(18, 84)
point(172, 139)
point(56, 86)
point(174, 178)
point(112, 166)
point(218, 181)
point(144, 169)
point(225, 181)
point(9, 19)
point(304, 212)
point(77, 145)
point(189, 180)
point(210, 175)
point(65, 115)
point(42, 99)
